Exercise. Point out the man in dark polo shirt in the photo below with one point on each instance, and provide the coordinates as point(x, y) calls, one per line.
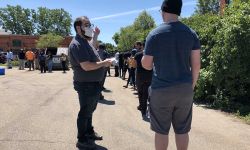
point(173, 51)
point(88, 71)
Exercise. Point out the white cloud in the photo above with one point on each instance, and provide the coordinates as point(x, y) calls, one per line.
point(136, 11)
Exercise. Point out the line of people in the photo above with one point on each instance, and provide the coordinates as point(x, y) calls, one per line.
point(172, 51)
point(38, 60)
point(138, 77)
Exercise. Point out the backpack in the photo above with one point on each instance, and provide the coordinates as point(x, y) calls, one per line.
point(132, 62)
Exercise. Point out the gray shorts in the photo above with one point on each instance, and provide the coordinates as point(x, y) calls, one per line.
point(171, 105)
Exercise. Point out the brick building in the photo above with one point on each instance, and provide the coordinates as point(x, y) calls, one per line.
point(17, 42)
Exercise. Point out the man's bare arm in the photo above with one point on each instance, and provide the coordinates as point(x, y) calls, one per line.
point(88, 66)
point(147, 62)
point(195, 65)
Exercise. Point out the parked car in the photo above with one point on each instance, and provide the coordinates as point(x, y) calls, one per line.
point(56, 52)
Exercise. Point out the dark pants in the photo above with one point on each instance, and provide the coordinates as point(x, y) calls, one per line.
point(31, 64)
point(124, 70)
point(89, 94)
point(108, 71)
point(120, 70)
point(42, 66)
point(131, 76)
point(104, 78)
point(143, 82)
point(64, 66)
point(116, 71)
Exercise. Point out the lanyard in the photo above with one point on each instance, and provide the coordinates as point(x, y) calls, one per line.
point(95, 51)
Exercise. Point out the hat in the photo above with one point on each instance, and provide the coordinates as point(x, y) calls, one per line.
point(172, 6)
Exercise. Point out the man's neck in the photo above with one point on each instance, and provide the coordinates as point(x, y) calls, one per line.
point(171, 18)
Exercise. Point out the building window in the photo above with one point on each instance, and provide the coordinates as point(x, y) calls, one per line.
point(16, 43)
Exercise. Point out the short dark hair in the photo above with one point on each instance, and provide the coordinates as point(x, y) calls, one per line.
point(78, 21)
point(102, 46)
point(138, 43)
point(172, 6)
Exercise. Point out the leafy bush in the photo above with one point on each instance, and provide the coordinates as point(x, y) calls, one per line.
point(225, 76)
point(230, 58)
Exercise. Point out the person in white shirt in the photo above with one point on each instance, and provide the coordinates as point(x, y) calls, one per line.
point(9, 59)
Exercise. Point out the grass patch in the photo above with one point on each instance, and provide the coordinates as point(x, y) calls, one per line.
point(246, 118)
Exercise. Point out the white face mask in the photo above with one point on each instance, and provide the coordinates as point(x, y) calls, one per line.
point(88, 31)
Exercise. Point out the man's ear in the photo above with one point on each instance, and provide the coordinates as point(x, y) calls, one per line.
point(78, 28)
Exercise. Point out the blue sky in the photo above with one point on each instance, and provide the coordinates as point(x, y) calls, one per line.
point(108, 15)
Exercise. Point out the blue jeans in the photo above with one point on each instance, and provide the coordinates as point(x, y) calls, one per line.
point(89, 94)
point(50, 65)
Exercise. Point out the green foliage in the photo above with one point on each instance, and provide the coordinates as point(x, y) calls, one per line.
point(138, 31)
point(29, 22)
point(109, 46)
point(225, 75)
point(17, 19)
point(230, 57)
point(49, 40)
point(208, 6)
point(56, 21)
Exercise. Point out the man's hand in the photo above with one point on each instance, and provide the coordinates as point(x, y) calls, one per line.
point(107, 62)
point(96, 31)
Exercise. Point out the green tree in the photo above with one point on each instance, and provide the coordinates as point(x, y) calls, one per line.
point(49, 40)
point(208, 6)
point(18, 20)
point(43, 21)
point(230, 60)
point(56, 21)
point(224, 78)
point(143, 24)
point(116, 38)
point(109, 46)
point(28, 21)
point(60, 22)
point(138, 31)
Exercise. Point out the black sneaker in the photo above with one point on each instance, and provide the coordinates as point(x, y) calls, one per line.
point(95, 136)
point(89, 145)
point(101, 97)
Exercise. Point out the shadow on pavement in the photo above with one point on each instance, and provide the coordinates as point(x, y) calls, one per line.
point(107, 102)
point(107, 91)
point(135, 93)
point(98, 147)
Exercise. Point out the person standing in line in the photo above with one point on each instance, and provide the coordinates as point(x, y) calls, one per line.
point(121, 62)
point(173, 51)
point(42, 61)
point(50, 62)
point(9, 58)
point(126, 55)
point(63, 61)
point(116, 63)
point(132, 66)
point(30, 56)
point(143, 81)
point(104, 55)
point(88, 72)
point(37, 66)
point(21, 59)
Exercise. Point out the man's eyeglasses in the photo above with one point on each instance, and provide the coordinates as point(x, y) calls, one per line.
point(89, 25)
